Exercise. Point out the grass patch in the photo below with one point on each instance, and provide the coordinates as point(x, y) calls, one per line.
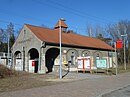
point(22, 82)
point(11, 80)
point(120, 69)
point(6, 72)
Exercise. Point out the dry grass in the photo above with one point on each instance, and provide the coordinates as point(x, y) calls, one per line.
point(11, 80)
point(120, 69)
point(5, 72)
point(23, 82)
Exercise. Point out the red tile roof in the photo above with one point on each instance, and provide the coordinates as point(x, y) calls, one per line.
point(52, 36)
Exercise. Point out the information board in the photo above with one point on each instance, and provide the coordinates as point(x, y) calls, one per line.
point(84, 63)
point(101, 63)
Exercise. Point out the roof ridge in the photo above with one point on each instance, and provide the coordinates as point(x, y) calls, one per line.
point(37, 26)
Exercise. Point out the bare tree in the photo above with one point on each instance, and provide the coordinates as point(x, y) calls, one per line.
point(1, 34)
point(114, 32)
point(90, 31)
point(1, 39)
point(99, 31)
point(10, 32)
point(118, 29)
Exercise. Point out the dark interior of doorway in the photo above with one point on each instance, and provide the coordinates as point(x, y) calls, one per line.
point(51, 55)
point(34, 55)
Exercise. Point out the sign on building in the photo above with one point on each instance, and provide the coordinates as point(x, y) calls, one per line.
point(101, 63)
point(57, 61)
point(84, 63)
point(119, 44)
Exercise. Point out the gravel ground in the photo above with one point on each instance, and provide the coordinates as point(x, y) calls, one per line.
point(87, 86)
point(27, 81)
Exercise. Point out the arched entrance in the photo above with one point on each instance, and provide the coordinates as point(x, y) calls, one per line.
point(33, 58)
point(51, 55)
point(72, 54)
point(18, 61)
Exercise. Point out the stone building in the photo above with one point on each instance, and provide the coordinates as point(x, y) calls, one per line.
point(37, 50)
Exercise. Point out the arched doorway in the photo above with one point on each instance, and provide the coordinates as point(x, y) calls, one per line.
point(51, 55)
point(72, 55)
point(18, 61)
point(33, 58)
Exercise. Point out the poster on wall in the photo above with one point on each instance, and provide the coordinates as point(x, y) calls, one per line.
point(84, 63)
point(31, 66)
point(56, 62)
point(101, 63)
point(87, 63)
point(80, 63)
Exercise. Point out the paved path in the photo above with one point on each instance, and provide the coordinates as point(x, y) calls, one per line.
point(122, 92)
point(93, 87)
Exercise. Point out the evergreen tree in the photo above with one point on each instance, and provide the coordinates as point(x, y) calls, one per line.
point(12, 40)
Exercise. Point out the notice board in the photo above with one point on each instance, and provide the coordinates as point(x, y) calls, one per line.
point(101, 63)
point(84, 63)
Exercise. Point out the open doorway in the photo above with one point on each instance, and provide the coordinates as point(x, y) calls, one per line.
point(18, 61)
point(51, 55)
point(34, 57)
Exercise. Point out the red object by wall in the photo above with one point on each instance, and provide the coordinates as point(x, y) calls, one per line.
point(33, 63)
point(119, 44)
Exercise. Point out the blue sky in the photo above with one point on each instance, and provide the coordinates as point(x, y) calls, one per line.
point(77, 13)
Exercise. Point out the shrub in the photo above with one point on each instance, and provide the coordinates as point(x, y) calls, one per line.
point(5, 72)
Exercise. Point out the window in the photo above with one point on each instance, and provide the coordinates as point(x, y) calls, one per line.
point(72, 60)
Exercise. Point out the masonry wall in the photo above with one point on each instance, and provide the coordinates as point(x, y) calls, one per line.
point(27, 41)
point(67, 52)
point(24, 43)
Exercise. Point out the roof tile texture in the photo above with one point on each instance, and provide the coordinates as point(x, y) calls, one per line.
point(52, 36)
point(62, 24)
